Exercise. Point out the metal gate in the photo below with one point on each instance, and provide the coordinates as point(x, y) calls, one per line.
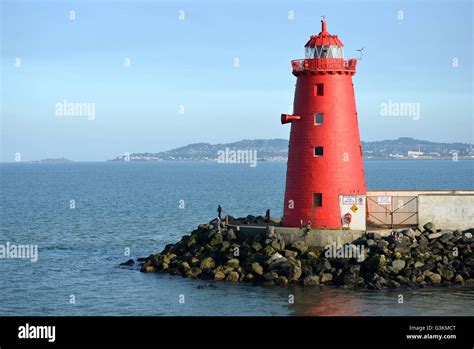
point(392, 211)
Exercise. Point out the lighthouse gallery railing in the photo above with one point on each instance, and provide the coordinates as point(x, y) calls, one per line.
point(322, 64)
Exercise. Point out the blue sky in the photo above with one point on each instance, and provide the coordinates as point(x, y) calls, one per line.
point(190, 62)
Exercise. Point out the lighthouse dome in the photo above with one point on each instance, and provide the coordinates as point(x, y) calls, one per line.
point(324, 45)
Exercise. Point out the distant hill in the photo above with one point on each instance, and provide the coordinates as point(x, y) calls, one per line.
point(277, 149)
point(267, 149)
point(406, 148)
point(52, 161)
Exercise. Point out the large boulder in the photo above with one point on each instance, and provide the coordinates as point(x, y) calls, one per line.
point(434, 236)
point(128, 263)
point(403, 280)
point(410, 233)
point(160, 261)
point(311, 280)
point(291, 268)
point(433, 277)
point(249, 277)
point(319, 265)
point(403, 245)
point(277, 263)
point(148, 269)
point(282, 281)
point(293, 272)
point(446, 272)
point(429, 227)
point(233, 263)
point(423, 243)
point(216, 240)
point(418, 264)
point(325, 278)
point(271, 275)
point(192, 241)
point(306, 269)
point(207, 263)
point(374, 285)
point(233, 276)
point(269, 251)
point(346, 278)
point(195, 262)
point(393, 284)
point(290, 253)
point(299, 246)
point(277, 245)
point(446, 236)
point(231, 235)
point(256, 269)
point(183, 267)
point(375, 262)
point(219, 275)
point(382, 245)
point(256, 246)
point(194, 272)
point(398, 265)
point(371, 277)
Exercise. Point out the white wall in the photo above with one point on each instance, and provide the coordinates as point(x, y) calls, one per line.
point(449, 212)
point(358, 217)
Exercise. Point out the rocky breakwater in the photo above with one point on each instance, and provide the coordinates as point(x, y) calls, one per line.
point(406, 258)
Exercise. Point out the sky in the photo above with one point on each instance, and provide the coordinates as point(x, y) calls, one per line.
point(162, 74)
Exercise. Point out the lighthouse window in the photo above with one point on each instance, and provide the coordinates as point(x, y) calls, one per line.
point(318, 119)
point(318, 151)
point(312, 52)
point(317, 199)
point(319, 90)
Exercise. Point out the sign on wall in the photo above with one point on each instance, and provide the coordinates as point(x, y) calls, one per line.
point(348, 200)
point(384, 200)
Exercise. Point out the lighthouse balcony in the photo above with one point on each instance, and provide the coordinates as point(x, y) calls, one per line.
point(324, 65)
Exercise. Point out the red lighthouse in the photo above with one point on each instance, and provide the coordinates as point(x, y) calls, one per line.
point(325, 181)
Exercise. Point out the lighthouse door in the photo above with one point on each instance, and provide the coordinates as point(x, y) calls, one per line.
point(353, 208)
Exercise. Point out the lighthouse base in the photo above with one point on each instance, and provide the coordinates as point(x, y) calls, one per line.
point(314, 238)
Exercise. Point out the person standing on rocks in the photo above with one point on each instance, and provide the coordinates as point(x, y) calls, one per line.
point(308, 226)
point(395, 235)
point(267, 216)
point(219, 212)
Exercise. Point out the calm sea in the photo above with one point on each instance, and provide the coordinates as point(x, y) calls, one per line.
point(136, 206)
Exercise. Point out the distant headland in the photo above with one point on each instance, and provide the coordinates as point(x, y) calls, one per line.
point(52, 161)
point(403, 148)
